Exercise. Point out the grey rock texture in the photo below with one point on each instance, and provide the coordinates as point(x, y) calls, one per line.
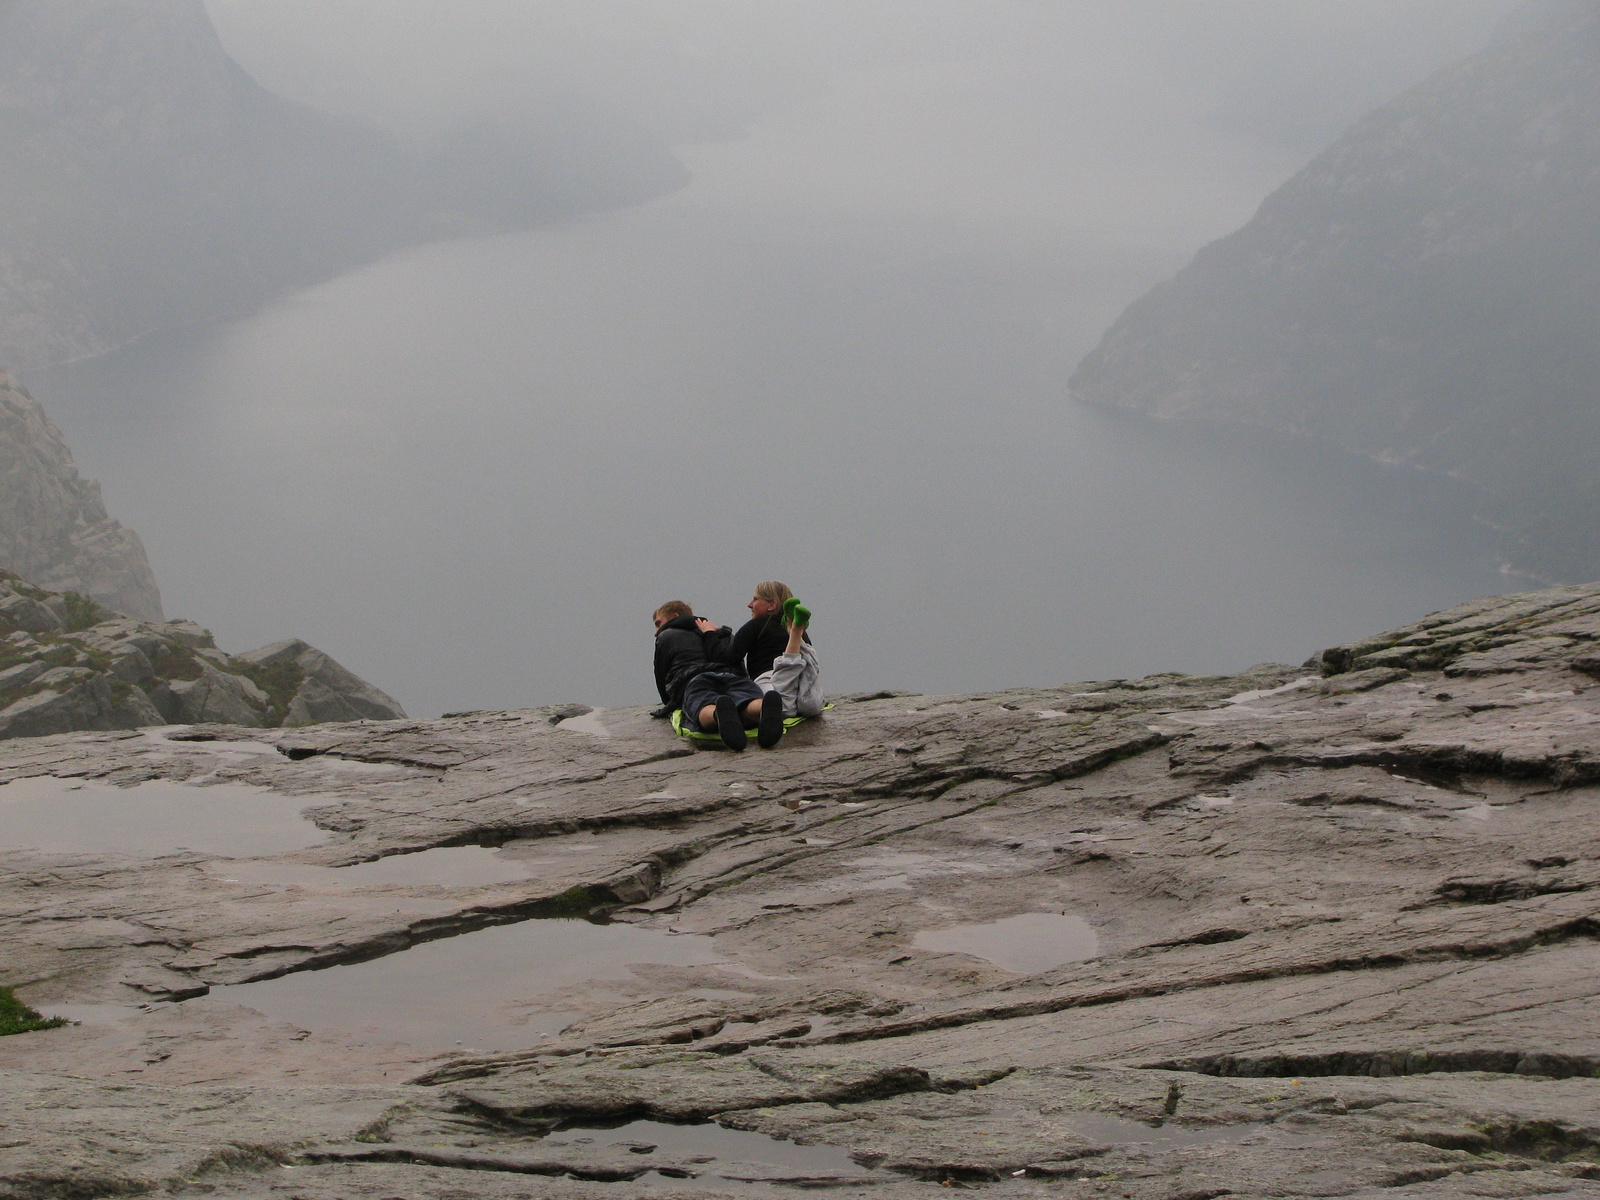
point(1345, 921)
point(70, 664)
point(326, 692)
point(150, 183)
point(1422, 293)
point(54, 529)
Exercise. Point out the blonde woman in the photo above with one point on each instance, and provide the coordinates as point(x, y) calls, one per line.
point(775, 650)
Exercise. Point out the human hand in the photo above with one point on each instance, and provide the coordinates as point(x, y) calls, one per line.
point(705, 626)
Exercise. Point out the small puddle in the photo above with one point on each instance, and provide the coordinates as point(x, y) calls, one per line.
point(731, 1155)
point(588, 723)
point(73, 816)
point(447, 866)
point(479, 989)
point(1026, 944)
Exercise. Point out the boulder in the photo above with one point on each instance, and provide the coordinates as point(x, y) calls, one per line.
point(218, 698)
point(325, 690)
point(91, 704)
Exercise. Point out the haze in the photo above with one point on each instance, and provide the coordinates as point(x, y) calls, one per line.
point(837, 357)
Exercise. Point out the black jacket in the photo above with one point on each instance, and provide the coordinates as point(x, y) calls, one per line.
point(682, 652)
point(758, 642)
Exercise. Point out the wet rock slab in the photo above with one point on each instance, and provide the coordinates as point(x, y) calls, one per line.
point(1326, 930)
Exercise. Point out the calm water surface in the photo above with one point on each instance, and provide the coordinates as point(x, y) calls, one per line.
point(471, 471)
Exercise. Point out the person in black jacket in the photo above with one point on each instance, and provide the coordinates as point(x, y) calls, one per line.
point(693, 673)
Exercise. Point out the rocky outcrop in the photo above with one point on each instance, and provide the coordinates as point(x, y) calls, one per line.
point(1422, 293)
point(1334, 934)
point(54, 529)
point(150, 183)
point(67, 663)
point(318, 688)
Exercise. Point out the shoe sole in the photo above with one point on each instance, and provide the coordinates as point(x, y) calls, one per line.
point(770, 731)
point(729, 724)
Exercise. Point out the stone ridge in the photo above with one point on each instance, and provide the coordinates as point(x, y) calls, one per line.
point(1421, 293)
point(66, 663)
point(54, 529)
point(1345, 941)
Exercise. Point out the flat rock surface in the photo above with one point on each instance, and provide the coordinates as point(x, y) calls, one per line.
point(1316, 931)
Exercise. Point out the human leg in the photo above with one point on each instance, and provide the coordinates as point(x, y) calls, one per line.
point(729, 723)
point(796, 674)
point(798, 679)
point(700, 697)
point(769, 729)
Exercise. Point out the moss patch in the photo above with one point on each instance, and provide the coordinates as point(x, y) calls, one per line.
point(280, 681)
point(80, 612)
point(574, 902)
point(17, 1017)
point(173, 661)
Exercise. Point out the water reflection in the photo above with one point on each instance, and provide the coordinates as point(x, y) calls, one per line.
point(1027, 943)
point(480, 989)
point(74, 816)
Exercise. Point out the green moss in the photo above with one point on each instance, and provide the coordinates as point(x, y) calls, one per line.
point(280, 681)
point(574, 902)
point(17, 1017)
point(174, 661)
point(81, 612)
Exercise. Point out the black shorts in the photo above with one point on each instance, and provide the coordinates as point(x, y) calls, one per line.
point(712, 686)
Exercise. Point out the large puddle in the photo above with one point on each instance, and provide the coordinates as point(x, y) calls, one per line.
point(713, 1153)
point(480, 990)
point(74, 816)
point(451, 866)
point(1026, 944)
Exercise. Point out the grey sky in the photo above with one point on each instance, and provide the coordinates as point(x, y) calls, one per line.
point(1290, 71)
point(1156, 125)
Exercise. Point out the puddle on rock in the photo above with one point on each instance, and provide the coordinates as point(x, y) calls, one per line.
point(74, 816)
point(723, 1155)
point(446, 866)
point(1026, 944)
point(473, 990)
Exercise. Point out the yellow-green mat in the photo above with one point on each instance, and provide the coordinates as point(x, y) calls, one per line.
point(700, 735)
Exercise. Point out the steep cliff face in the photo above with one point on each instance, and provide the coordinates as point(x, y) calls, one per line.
point(1424, 292)
point(54, 529)
point(149, 182)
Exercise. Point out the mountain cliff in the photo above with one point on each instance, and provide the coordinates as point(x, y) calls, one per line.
point(146, 181)
point(1424, 292)
point(54, 529)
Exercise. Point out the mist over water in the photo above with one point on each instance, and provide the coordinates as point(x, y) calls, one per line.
point(471, 471)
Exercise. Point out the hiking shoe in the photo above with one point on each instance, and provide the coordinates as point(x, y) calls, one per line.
point(729, 724)
point(771, 727)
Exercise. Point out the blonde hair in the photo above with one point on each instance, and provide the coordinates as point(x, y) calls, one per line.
point(775, 593)
point(673, 608)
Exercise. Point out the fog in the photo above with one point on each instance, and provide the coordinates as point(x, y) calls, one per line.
point(837, 357)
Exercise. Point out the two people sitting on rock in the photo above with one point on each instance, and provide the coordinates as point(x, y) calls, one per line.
point(730, 681)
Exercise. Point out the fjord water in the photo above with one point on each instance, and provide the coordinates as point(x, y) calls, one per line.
point(471, 471)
